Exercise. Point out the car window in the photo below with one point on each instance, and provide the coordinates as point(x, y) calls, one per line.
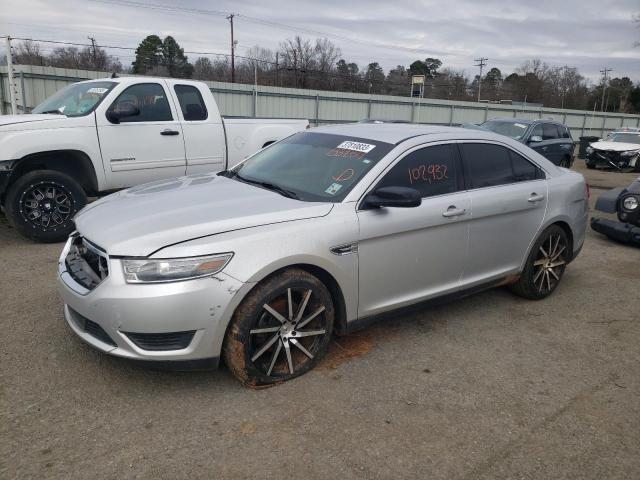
point(549, 131)
point(537, 130)
point(488, 165)
point(191, 103)
point(523, 169)
point(564, 132)
point(149, 98)
point(430, 170)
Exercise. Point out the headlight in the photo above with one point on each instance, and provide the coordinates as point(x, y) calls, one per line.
point(630, 153)
point(173, 269)
point(589, 149)
point(630, 203)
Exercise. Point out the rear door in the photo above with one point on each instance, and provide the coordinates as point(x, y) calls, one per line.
point(411, 254)
point(145, 147)
point(509, 198)
point(203, 132)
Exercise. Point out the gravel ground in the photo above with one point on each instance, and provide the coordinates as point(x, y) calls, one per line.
point(491, 386)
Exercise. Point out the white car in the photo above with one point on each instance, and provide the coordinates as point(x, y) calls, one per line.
point(326, 230)
point(619, 151)
point(102, 135)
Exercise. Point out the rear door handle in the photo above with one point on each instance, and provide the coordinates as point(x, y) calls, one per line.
point(169, 132)
point(535, 198)
point(453, 211)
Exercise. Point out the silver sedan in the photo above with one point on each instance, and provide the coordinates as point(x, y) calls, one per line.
point(323, 232)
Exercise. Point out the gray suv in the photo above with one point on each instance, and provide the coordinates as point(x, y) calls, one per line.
point(549, 138)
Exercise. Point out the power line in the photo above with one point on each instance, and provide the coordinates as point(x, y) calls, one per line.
point(481, 63)
point(604, 73)
point(154, 6)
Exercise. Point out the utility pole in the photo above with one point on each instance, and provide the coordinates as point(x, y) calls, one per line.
point(93, 51)
point(10, 72)
point(233, 48)
point(481, 63)
point(277, 72)
point(604, 85)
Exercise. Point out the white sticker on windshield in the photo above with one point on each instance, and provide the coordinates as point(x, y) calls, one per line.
point(357, 146)
point(97, 90)
point(520, 125)
point(333, 188)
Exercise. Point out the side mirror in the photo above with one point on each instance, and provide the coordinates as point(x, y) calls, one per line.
point(399, 197)
point(535, 139)
point(124, 110)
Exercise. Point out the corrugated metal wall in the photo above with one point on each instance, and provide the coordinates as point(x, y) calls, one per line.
point(320, 107)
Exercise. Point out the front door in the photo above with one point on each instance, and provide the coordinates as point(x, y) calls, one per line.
point(411, 254)
point(509, 198)
point(148, 146)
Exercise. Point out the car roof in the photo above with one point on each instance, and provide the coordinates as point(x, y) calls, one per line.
point(393, 133)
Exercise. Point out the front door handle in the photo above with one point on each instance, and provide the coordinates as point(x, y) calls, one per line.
point(169, 132)
point(453, 211)
point(535, 198)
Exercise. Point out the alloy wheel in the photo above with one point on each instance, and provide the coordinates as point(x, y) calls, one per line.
point(288, 333)
point(549, 264)
point(46, 205)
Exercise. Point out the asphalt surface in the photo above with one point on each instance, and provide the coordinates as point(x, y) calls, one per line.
point(491, 386)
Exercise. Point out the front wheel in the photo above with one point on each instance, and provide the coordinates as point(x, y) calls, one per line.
point(42, 203)
point(281, 330)
point(545, 266)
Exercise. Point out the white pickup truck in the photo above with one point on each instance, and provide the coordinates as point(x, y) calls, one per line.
point(102, 135)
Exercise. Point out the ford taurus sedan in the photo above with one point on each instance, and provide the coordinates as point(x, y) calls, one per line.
point(321, 233)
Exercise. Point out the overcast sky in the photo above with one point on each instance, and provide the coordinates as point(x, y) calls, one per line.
point(588, 34)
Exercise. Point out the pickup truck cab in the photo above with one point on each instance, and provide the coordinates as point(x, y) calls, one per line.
point(102, 135)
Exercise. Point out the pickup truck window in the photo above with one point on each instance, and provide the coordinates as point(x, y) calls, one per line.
point(149, 98)
point(312, 167)
point(76, 100)
point(191, 103)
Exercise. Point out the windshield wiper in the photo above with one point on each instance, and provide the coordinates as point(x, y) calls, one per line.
point(269, 186)
point(53, 111)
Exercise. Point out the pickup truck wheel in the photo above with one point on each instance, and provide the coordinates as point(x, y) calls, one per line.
point(545, 266)
point(281, 330)
point(41, 205)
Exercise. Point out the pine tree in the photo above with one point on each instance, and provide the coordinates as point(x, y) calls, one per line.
point(174, 60)
point(148, 55)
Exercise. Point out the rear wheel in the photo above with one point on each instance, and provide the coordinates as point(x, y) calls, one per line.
point(545, 266)
point(281, 330)
point(41, 205)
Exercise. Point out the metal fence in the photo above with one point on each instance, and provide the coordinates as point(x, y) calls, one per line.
point(33, 84)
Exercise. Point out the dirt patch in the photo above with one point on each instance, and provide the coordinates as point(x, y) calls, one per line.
point(343, 349)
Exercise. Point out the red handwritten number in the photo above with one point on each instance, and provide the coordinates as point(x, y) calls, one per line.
point(428, 173)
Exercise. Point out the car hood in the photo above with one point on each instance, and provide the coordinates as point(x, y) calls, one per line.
point(28, 118)
point(143, 219)
point(615, 146)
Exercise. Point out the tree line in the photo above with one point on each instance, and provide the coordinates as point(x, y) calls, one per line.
point(319, 64)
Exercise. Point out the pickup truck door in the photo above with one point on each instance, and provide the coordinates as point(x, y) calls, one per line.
point(204, 136)
point(146, 146)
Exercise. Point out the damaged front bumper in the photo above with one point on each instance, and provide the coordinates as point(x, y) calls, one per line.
point(622, 232)
point(612, 159)
point(170, 324)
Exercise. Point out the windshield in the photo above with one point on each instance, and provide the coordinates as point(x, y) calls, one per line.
point(624, 137)
point(313, 167)
point(514, 130)
point(76, 100)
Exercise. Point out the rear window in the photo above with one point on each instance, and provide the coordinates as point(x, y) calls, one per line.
point(488, 165)
point(191, 103)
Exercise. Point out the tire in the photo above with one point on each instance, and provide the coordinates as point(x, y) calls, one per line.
point(263, 347)
point(545, 266)
point(565, 162)
point(41, 205)
point(590, 165)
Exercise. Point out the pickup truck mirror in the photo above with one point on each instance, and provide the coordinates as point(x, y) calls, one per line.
point(535, 139)
point(401, 197)
point(124, 110)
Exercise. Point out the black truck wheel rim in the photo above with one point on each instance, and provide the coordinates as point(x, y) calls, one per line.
point(46, 205)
